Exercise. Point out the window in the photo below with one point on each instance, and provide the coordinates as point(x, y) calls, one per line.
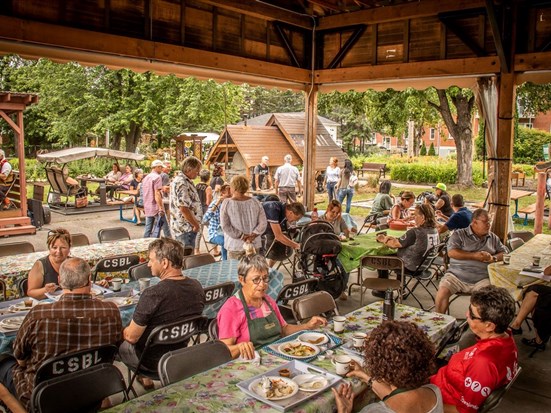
point(432, 133)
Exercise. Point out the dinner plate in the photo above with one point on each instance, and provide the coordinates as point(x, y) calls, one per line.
point(11, 323)
point(55, 295)
point(290, 348)
point(313, 338)
point(312, 382)
point(121, 301)
point(289, 385)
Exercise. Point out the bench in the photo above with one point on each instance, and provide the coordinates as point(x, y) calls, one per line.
point(530, 209)
point(378, 168)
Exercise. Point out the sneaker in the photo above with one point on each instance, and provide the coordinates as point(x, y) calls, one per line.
point(343, 296)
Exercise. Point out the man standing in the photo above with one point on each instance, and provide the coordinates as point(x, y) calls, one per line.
point(461, 218)
point(186, 210)
point(6, 177)
point(279, 215)
point(286, 178)
point(261, 175)
point(174, 298)
point(75, 322)
point(470, 250)
point(152, 198)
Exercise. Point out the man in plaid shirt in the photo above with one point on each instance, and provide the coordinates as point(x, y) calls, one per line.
point(75, 322)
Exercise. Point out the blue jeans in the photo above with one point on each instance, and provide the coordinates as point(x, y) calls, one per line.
point(187, 238)
point(331, 190)
point(219, 240)
point(348, 193)
point(150, 221)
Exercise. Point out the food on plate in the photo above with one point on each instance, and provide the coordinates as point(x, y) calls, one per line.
point(285, 373)
point(298, 349)
point(29, 303)
point(316, 341)
point(274, 388)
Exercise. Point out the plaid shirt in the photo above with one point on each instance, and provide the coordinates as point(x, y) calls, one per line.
point(212, 216)
point(76, 322)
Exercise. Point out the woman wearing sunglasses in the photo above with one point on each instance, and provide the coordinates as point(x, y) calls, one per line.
point(250, 318)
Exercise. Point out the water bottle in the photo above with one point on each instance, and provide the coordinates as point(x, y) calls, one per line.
point(314, 215)
point(388, 305)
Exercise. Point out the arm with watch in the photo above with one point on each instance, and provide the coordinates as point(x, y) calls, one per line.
point(482, 256)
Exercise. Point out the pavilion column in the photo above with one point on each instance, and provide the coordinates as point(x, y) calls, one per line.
point(504, 151)
point(20, 142)
point(309, 166)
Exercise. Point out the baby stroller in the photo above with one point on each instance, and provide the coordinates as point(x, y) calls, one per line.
point(317, 257)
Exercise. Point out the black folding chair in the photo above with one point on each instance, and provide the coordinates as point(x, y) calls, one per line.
point(198, 260)
point(494, 399)
point(318, 303)
point(291, 292)
point(139, 271)
point(116, 263)
point(22, 286)
point(113, 234)
point(370, 221)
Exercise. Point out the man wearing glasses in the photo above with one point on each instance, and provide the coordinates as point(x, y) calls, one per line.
point(470, 251)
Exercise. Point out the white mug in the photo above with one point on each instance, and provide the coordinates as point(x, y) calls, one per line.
point(359, 339)
point(116, 284)
point(342, 364)
point(506, 259)
point(338, 324)
point(536, 260)
point(144, 283)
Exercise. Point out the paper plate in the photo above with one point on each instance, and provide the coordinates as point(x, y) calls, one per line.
point(288, 386)
point(312, 382)
point(121, 302)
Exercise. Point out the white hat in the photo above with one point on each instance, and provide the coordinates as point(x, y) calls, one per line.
point(157, 163)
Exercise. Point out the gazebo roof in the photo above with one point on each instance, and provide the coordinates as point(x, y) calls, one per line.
point(11, 102)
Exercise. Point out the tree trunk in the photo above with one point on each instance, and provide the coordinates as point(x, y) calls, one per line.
point(116, 141)
point(133, 137)
point(418, 131)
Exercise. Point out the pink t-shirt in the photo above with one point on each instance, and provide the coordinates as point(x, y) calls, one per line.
point(232, 320)
point(151, 182)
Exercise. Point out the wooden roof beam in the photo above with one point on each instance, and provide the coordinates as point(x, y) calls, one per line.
point(467, 41)
point(352, 40)
point(496, 32)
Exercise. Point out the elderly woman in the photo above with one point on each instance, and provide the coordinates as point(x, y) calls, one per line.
point(251, 319)
point(398, 361)
point(383, 201)
point(400, 211)
point(43, 277)
point(332, 174)
point(414, 244)
point(242, 219)
point(475, 372)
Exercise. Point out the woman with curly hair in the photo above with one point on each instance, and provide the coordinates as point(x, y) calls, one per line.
point(399, 358)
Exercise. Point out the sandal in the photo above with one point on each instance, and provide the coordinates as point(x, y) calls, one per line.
point(533, 343)
point(516, 331)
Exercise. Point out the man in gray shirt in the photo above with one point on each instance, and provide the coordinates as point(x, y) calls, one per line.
point(470, 250)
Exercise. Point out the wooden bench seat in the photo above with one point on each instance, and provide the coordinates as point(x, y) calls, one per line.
point(378, 168)
point(529, 209)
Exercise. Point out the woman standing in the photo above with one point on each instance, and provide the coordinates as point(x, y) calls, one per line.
point(332, 174)
point(345, 185)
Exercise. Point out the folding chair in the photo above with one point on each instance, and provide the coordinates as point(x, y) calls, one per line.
point(81, 391)
point(116, 263)
point(514, 243)
point(291, 292)
point(370, 221)
point(22, 285)
point(3, 287)
point(496, 396)
point(382, 223)
point(452, 337)
point(318, 303)
point(198, 260)
point(113, 234)
point(523, 235)
point(139, 271)
point(381, 284)
point(213, 329)
point(14, 248)
point(175, 333)
point(217, 294)
point(183, 363)
point(79, 240)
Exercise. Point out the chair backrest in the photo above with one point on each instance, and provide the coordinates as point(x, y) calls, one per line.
point(186, 362)
point(14, 248)
point(313, 304)
point(59, 184)
point(116, 263)
point(22, 285)
point(3, 287)
point(383, 262)
point(75, 361)
point(213, 329)
point(79, 240)
point(523, 235)
point(176, 332)
point(382, 223)
point(453, 336)
point(188, 250)
point(493, 400)
point(198, 260)
point(138, 271)
point(81, 391)
point(113, 234)
point(51, 176)
point(428, 259)
point(295, 290)
point(218, 292)
point(514, 243)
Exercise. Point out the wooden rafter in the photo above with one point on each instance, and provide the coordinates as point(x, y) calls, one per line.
point(358, 31)
point(461, 35)
point(496, 32)
point(287, 43)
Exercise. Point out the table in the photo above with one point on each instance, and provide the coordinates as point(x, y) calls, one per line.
point(216, 391)
point(508, 276)
point(102, 187)
point(15, 267)
point(516, 194)
point(366, 244)
point(350, 223)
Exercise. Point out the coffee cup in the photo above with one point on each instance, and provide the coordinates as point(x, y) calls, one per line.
point(144, 283)
point(342, 364)
point(536, 260)
point(358, 339)
point(338, 324)
point(506, 259)
point(116, 284)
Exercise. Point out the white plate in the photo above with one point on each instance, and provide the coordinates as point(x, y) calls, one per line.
point(310, 380)
point(313, 338)
point(282, 349)
point(256, 387)
point(121, 301)
point(19, 307)
point(55, 295)
point(12, 323)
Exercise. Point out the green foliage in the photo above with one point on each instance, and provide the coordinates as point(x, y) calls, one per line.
point(432, 151)
point(427, 173)
point(423, 151)
point(528, 145)
point(533, 98)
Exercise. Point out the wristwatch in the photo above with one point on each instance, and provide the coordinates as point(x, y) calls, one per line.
point(495, 258)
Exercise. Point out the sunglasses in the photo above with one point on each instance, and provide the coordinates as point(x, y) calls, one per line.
point(472, 316)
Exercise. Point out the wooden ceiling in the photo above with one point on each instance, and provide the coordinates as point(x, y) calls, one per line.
point(339, 44)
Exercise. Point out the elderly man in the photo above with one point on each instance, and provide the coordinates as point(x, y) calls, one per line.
point(6, 177)
point(153, 199)
point(261, 175)
point(286, 178)
point(186, 209)
point(75, 322)
point(174, 298)
point(470, 250)
point(461, 218)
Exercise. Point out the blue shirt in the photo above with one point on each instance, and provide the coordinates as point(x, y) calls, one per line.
point(275, 214)
point(460, 219)
point(212, 216)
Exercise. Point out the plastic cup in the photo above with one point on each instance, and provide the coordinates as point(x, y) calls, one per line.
point(116, 284)
point(338, 324)
point(144, 283)
point(536, 260)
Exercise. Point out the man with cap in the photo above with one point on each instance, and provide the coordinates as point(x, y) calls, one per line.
point(152, 185)
point(261, 174)
point(441, 199)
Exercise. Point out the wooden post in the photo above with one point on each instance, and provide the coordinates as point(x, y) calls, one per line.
point(504, 152)
point(309, 167)
point(540, 204)
point(20, 143)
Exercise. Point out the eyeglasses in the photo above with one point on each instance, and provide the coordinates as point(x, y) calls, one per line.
point(472, 316)
point(484, 222)
point(265, 280)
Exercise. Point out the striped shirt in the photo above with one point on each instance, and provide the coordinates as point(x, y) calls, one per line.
point(76, 322)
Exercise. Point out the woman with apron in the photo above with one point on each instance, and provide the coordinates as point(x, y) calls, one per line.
point(250, 318)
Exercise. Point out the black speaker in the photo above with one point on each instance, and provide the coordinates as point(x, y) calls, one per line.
point(35, 212)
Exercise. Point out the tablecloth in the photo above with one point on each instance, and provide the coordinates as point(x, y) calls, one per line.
point(354, 250)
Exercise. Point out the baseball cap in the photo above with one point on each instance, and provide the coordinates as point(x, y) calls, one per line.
point(157, 163)
point(441, 186)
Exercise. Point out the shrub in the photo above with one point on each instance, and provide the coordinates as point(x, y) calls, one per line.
point(423, 151)
point(432, 151)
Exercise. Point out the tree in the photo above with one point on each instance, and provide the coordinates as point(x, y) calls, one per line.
point(423, 151)
point(432, 151)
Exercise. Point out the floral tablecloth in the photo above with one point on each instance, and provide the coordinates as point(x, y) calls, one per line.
point(14, 267)
point(366, 244)
point(508, 276)
point(216, 390)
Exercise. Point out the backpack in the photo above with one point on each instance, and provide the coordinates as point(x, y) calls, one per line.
point(353, 181)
